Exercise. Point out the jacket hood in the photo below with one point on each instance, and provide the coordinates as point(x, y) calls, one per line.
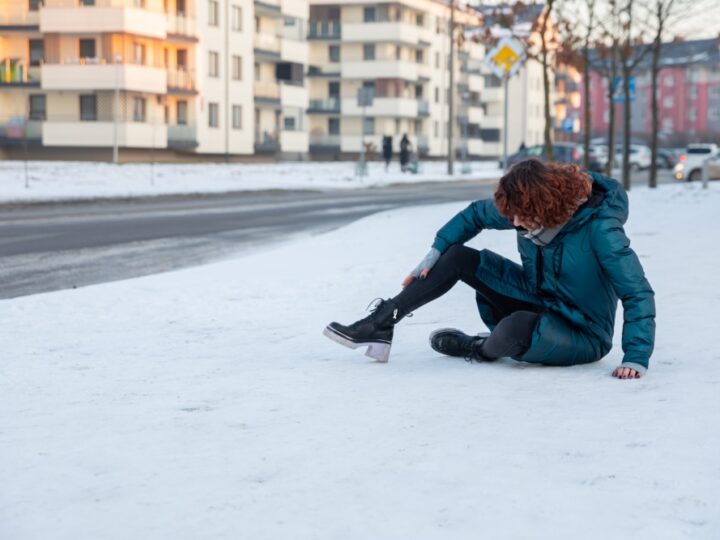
point(615, 204)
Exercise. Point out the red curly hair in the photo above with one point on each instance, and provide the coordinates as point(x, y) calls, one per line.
point(547, 193)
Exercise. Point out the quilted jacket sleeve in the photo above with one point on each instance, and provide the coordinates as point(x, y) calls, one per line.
point(622, 267)
point(467, 224)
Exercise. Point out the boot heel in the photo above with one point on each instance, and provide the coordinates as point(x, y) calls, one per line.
point(378, 351)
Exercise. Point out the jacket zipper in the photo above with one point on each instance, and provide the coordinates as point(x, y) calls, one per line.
point(539, 267)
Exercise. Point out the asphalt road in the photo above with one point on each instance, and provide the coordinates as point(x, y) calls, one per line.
point(60, 246)
point(49, 247)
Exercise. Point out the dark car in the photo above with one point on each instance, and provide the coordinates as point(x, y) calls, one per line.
point(565, 152)
point(666, 158)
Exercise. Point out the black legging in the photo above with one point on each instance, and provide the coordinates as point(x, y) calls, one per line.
point(517, 319)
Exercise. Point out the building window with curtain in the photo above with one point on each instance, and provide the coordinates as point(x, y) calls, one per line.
point(139, 105)
point(213, 64)
point(88, 108)
point(237, 117)
point(37, 107)
point(213, 13)
point(213, 115)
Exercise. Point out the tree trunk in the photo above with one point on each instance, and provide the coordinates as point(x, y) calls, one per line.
point(652, 180)
point(586, 107)
point(546, 83)
point(627, 112)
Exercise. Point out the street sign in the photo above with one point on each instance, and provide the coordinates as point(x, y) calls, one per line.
point(506, 58)
point(568, 124)
point(619, 93)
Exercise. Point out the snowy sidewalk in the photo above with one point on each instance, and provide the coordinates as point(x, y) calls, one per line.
point(74, 180)
point(205, 403)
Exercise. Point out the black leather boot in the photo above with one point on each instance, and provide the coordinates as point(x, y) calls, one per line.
point(374, 331)
point(453, 342)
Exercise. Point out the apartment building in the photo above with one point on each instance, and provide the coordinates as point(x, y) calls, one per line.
point(399, 51)
point(204, 77)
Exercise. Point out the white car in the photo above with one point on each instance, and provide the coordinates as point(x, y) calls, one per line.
point(640, 156)
point(689, 167)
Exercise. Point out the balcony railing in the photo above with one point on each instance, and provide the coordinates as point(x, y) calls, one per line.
point(331, 104)
point(267, 90)
point(181, 79)
point(139, 4)
point(324, 30)
point(266, 142)
point(181, 25)
point(267, 42)
point(423, 107)
point(181, 136)
point(17, 71)
point(324, 139)
point(11, 16)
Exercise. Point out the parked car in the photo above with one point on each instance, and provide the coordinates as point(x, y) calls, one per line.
point(640, 156)
point(666, 158)
point(562, 151)
point(689, 167)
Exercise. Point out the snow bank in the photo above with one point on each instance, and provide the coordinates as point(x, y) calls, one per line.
point(205, 403)
point(68, 180)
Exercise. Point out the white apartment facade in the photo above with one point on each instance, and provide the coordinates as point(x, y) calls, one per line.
point(400, 50)
point(183, 76)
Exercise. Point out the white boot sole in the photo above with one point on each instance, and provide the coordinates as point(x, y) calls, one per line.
point(377, 351)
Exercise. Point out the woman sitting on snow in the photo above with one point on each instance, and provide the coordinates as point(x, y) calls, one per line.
point(558, 308)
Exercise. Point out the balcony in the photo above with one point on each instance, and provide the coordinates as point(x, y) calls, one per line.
point(181, 27)
point(181, 136)
point(106, 16)
point(18, 131)
point(18, 72)
point(319, 30)
point(101, 134)
point(327, 105)
point(18, 17)
point(266, 143)
point(385, 32)
point(267, 93)
point(383, 106)
point(379, 69)
point(297, 52)
point(88, 75)
point(423, 107)
point(268, 8)
point(322, 142)
point(181, 82)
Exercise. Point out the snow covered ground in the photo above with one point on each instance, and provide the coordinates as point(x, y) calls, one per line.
point(72, 180)
point(205, 403)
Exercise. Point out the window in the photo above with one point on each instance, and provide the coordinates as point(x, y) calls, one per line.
point(398, 52)
point(693, 92)
point(37, 107)
point(334, 89)
point(419, 58)
point(181, 58)
point(667, 124)
point(368, 52)
point(37, 51)
point(437, 95)
point(87, 48)
point(34, 5)
point(237, 68)
point(237, 18)
point(692, 114)
point(213, 13)
point(670, 80)
point(87, 2)
point(181, 111)
point(88, 108)
point(419, 19)
point(436, 128)
point(397, 126)
point(334, 53)
point(437, 60)
point(213, 64)
point(369, 126)
point(213, 115)
point(139, 105)
point(139, 53)
point(289, 123)
point(334, 126)
point(237, 117)
point(668, 101)
point(369, 14)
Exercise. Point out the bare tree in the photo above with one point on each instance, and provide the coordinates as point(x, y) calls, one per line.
point(631, 54)
point(590, 5)
point(546, 43)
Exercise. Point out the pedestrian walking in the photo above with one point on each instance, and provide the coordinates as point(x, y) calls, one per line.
point(387, 150)
point(558, 307)
point(405, 147)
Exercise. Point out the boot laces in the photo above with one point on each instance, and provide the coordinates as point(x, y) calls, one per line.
point(373, 306)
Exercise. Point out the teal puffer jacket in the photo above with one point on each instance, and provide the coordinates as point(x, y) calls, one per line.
point(579, 276)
